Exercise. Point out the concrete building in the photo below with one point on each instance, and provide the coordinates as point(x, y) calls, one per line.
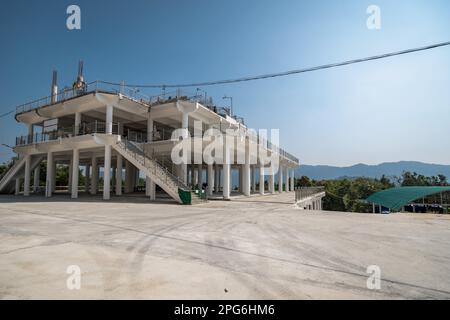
point(118, 134)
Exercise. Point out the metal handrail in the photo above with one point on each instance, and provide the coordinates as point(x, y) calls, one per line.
point(132, 147)
point(94, 86)
point(306, 192)
point(66, 132)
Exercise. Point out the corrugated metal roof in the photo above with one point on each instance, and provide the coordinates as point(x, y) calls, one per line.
point(395, 198)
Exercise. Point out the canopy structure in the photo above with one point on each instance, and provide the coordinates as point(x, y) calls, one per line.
point(396, 198)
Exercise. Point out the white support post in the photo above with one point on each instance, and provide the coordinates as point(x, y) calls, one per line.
point(70, 172)
point(261, 179)
point(26, 183)
point(87, 180)
point(94, 174)
point(253, 178)
point(49, 177)
point(55, 169)
point(200, 176)
point(109, 120)
point(280, 179)
point(75, 173)
point(271, 180)
point(17, 187)
point(107, 173)
point(286, 183)
point(150, 187)
point(246, 171)
point(77, 123)
point(210, 179)
point(119, 175)
point(292, 179)
point(226, 172)
point(185, 126)
point(36, 178)
point(30, 133)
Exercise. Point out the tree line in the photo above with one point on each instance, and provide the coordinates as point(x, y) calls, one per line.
point(348, 194)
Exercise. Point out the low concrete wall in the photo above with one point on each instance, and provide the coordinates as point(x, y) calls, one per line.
point(313, 202)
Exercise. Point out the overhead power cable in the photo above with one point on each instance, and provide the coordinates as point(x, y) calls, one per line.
point(272, 75)
point(285, 73)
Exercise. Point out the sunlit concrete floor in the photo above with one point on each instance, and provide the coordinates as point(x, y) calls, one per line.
point(260, 247)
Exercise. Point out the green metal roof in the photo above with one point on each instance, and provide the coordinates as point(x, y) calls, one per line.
point(395, 198)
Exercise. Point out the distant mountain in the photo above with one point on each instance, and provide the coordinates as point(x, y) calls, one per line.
point(372, 171)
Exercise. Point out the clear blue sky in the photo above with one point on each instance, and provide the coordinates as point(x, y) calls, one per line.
point(389, 110)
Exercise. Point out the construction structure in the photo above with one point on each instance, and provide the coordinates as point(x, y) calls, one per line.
point(116, 134)
point(411, 197)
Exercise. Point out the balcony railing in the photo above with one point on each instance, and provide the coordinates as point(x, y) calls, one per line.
point(70, 93)
point(67, 132)
point(306, 192)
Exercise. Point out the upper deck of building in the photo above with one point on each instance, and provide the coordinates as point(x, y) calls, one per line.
point(134, 109)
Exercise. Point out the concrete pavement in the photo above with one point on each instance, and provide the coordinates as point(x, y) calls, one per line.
point(248, 248)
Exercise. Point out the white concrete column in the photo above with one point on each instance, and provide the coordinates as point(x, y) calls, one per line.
point(261, 180)
point(107, 173)
point(128, 174)
point(226, 172)
point(150, 187)
point(36, 179)
point(292, 179)
point(271, 180)
point(210, 179)
point(87, 174)
point(26, 183)
point(286, 183)
point(216, 177)
point(50, 174)
point(280, 179)
point(30, 133)
point(200, 176)
point(119, 175)
point(94, 174)
point(253, 178)
point(75, 173)
point(109, 122)
point(55, 168)
point(246, 174)
point(77, 123)
point(17, 187)
point(185, 125)
point(70, 173)
point(150, 125)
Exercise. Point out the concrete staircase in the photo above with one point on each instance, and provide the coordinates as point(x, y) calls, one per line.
point(7, 182)
point(170, 183)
